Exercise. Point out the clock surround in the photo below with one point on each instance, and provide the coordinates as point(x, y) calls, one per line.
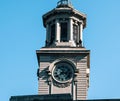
point(62, 72)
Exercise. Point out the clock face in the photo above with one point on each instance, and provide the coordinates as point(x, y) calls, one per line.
point(62, 72)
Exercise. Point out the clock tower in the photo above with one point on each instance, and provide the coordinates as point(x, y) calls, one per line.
point(64, 62)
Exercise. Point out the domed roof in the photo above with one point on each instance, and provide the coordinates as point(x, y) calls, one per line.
point(64, 7)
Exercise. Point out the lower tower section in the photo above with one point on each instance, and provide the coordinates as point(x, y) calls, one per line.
point(63, 71)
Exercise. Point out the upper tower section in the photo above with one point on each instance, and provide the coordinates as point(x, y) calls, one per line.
point(64, 26)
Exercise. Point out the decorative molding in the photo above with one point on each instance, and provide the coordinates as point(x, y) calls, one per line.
point(61, 85)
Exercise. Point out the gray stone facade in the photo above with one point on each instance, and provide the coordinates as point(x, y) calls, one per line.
point(78, 57)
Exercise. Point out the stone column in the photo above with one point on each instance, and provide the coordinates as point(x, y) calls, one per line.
point(70, 30)
point(57, 31)
point(78, 34)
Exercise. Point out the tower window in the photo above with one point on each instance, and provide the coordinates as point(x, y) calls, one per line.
point(52, 33)
point(63, 32)
point(75, 32)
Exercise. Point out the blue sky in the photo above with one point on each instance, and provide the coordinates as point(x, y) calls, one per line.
point(22, 33)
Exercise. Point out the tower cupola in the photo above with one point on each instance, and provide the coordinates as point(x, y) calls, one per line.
point(64, 26)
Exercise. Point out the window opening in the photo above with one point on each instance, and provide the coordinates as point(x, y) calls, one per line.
point(63, 32)
point(52, 33)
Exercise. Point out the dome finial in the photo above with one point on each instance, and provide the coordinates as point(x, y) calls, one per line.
point(63, 2)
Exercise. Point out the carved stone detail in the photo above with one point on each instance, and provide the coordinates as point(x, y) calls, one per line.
point(61, 85)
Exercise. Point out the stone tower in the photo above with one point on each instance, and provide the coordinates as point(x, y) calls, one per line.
point(64, 62)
